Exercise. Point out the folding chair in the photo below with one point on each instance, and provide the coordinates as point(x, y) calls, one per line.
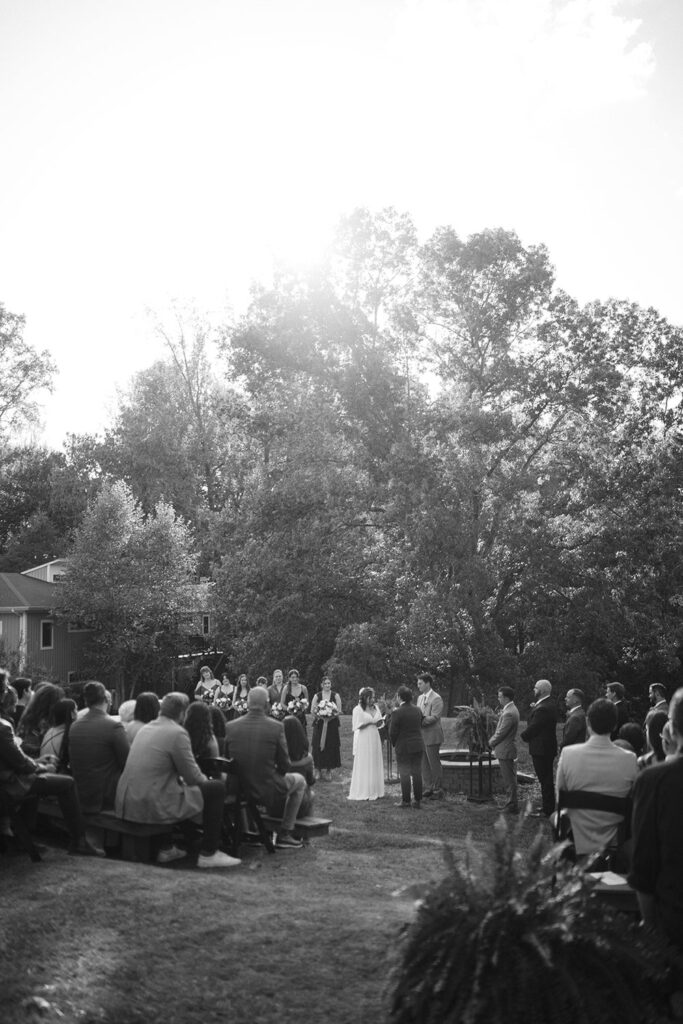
point(584, 799)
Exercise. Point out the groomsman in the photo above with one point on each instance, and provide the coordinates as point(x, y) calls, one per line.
point(574, 730)
point(541, 736)
point(503, 743)
point(431, 705)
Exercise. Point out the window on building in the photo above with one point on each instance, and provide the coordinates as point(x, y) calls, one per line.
point(206, 625)
point(46, 635)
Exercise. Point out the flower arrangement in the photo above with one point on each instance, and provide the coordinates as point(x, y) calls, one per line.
point(326, 709)
point(297, 706)
point(278, 711)
point(240, 706)
point(207, 696)
point(223, 703)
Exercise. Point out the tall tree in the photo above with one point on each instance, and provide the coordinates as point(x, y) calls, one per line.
point(24, 372)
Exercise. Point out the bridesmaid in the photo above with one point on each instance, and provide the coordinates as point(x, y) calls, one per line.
point(207, 684)
point(293, 690)
point(326, 739)
point(275, 688)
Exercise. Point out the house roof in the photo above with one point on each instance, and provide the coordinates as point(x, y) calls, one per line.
point(25, 593)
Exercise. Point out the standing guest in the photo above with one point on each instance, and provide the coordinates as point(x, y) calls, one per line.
point(574, 730)
point(658, 702)
point(367, 777)
point(541, 735)
point(406, 736)
point(163, 783)
point(207, 685)
point(294, 690)
point(275, 688)
point(98, 747)
point(199, 726)
point(258, 745)
point(55, 743)
point(503, 743)
point(656, 873)
point(35, 720)
point(326, 730)
point(146, 710)
point(616, 693)
point(655, 749)
point(602, 767)
point(431, 705)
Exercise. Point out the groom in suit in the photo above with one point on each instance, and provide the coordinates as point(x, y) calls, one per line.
point(504, 746)
point(430, 704)
point(405, 734)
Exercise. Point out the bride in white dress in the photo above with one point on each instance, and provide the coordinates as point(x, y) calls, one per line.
point(367, 778)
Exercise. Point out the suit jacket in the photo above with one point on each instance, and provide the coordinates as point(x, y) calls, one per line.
point(540, 732)
point(405, 730)
point(623, 716)
point(258, 745)
point(16, 769)
point(574, 730)
point(597, 765)
point(98, 748)
point(160, 780)
point(431, 706)
point(503, 742)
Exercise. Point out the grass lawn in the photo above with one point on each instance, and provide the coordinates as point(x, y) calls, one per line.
point(300, 936)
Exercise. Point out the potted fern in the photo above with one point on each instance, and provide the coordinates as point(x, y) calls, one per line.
point(473, 726)
point(517, 937)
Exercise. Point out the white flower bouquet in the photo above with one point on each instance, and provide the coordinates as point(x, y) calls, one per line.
point(297, 706)
point(240, 706)
point(326, 709)
point(278, 711)
point(223, 703)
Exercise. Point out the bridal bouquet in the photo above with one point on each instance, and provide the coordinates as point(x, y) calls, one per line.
point(326, 709)
point(297, 706)
point(278, 711)
point(240, 706)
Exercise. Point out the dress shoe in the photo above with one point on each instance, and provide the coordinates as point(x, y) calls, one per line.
point(427, 793)
point(402, 803)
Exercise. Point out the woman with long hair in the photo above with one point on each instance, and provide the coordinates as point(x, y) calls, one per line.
point(295, 693)
point(367, 777)
point(326, 736)
point(207, 686)
point(199, 725)
point(56, 740)
point(35, 720)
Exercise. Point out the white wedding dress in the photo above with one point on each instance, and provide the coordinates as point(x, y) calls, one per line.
point(367, 778)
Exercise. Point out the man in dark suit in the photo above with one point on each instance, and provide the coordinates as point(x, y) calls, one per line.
point(503, 743)
point(574, 730)
point(541, 736)
point(98, 749)
point(405, 734)
point(617, 694)
point(257, 743)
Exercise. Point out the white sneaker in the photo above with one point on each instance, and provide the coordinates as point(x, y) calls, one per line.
point(166, 856)
point(217, 860)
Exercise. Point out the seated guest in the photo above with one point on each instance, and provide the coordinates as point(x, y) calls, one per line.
point(633, 735)
point(600, 767)
point(98, 747)
point(35, 720)
point(55, 743)
point(656, 873)
point(146, 710)
point(655, 749)
point(24, 690)
point(218, 721)
point(257, 743)
point(163, 783)
point(23, 777)
point(199, 726)
point(126, 711)
point(297, 747)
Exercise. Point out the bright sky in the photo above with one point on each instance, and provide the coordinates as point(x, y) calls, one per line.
point(154, 149)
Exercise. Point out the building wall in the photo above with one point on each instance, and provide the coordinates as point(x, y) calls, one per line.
point(66, 654)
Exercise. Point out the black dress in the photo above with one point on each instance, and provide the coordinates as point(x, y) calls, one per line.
point(287, 697)
point(330, 755)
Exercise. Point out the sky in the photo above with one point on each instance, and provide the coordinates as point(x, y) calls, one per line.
point(160, 150)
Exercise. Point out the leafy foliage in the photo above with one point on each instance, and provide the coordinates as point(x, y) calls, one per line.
point(510, 936)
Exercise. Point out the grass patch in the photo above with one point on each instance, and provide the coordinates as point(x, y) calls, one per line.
point(302, 935)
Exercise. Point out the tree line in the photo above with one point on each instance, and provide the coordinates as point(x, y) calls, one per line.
point(421, 455)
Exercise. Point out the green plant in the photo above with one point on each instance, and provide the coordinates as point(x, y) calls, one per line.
point(473, 726)
point(512, 937)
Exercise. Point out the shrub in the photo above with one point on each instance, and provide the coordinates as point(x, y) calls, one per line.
point(512, 937)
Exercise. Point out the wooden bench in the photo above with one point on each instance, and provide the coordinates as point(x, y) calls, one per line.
point(138, 841)
point(304, 828)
